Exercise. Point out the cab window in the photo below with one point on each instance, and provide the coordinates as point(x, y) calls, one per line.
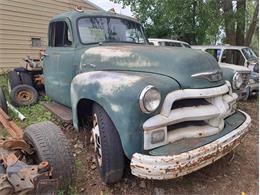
point(60, 35)
point(233, 56)
point(214, 52)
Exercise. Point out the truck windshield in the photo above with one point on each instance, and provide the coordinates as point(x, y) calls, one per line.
point(249, 54)
point(105, 29)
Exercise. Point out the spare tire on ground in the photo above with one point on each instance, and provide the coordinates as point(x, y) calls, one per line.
point(49, 144)
point(24, 95)
point(3, 103)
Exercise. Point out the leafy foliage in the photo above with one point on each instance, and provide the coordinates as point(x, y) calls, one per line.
point(193, 21)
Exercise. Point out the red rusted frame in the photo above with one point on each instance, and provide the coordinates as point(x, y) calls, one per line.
point(13, 130)
point(15, 142)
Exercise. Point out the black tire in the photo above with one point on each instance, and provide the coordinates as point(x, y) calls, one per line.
point(24, 95)
point(26, 78)
point(50, 144)
point(13, 80)
point(112, 166)
point(3, 103)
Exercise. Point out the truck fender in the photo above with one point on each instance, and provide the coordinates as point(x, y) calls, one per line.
point(118, 93)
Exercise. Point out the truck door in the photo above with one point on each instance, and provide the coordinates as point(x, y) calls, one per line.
point(58, 65)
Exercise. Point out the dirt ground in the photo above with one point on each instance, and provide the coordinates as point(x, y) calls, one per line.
point(236, 173)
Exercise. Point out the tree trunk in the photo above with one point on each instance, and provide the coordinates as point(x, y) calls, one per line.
point(241, 14)
point(252, 27)
point(229, 23)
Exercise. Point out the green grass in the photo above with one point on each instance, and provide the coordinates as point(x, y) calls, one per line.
point(34, 114)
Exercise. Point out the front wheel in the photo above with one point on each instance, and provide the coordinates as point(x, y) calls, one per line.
point(107, 146)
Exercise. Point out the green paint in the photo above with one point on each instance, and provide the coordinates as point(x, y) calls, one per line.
point(114, 74)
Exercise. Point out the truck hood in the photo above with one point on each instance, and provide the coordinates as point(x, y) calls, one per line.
point(177, 63)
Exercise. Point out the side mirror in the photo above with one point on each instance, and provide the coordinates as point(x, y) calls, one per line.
point(247, 64)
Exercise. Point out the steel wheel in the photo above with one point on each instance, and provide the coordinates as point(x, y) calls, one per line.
point(96, 140)
point(108, 148)
point(24, 96)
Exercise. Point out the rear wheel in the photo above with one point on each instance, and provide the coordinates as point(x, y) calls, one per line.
point(49, 144)
point(3, 103)
point(107, 146)
point(13, 80)
point(24, 95)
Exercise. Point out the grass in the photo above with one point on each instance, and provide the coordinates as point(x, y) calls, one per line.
point(34, 114)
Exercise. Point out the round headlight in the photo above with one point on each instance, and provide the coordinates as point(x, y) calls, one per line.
point(237, 81)
point(150, 99)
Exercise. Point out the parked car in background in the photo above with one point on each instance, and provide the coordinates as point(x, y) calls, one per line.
point(168, 42)
point(229, 54)
point(238, 58)
point(253, 83)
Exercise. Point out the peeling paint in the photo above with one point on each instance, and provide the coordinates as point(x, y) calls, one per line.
point(106, 53)
point(108, 83)
point(116, 108)
point(168, 167)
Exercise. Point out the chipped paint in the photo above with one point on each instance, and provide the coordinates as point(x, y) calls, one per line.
point(121, 56)
point(116, 108)
point(108, 83)
point(168, 167)
point(106, 53)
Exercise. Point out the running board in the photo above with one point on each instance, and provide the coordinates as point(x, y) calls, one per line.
point(62, 112)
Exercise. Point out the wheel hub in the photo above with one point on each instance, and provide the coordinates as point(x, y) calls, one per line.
point(24, 96)
point(96, 140)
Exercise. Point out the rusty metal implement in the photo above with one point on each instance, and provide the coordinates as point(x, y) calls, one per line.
point(15, 175)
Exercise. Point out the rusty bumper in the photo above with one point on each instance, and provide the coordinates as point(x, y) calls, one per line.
point(168, 167)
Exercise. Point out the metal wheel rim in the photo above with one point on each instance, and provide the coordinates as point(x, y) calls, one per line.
point(96, 140)
point(24, 96)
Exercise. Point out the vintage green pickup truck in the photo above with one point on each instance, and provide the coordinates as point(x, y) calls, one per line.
point(169, 111)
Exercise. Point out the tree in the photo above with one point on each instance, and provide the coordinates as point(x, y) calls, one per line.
point(188, 20)
point(253, 25)
point(198, 21)
point(234, 13)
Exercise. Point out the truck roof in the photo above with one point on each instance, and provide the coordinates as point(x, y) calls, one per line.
point(77, 14)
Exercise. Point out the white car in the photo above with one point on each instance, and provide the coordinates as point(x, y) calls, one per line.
point(229, 54)
point(169, 42)
point(238, 58)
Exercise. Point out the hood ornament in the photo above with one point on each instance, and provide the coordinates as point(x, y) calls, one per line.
point(213, 76)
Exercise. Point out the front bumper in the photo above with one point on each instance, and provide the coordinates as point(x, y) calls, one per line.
point(168, 167)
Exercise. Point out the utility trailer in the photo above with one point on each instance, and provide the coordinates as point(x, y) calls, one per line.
point(37, 160)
